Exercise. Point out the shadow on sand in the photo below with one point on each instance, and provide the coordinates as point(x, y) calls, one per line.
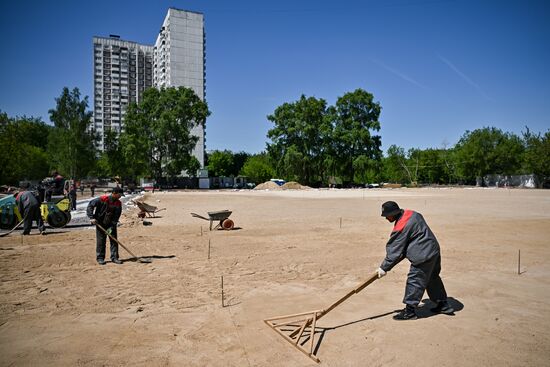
point(423, 311)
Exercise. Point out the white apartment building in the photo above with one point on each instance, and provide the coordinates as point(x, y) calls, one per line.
point(177, 59)
point(122, 71)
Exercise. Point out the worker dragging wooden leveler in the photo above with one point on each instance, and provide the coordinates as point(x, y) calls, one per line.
point(411, 238)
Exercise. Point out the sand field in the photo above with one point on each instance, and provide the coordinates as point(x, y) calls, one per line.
point(291, 251)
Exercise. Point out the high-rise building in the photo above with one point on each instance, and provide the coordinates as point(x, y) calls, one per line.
point(124, 69)
point(179, 60)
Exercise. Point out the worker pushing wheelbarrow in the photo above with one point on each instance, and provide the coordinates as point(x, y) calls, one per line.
point(222, 217)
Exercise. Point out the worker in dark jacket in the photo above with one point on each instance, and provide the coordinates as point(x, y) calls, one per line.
point(412, 238)
point(29, 207)
point(105, 211)
point(72, 196)
point(55, 185)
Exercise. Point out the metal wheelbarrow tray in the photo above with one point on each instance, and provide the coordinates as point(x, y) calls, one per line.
point(145, 208)
point(222, 216)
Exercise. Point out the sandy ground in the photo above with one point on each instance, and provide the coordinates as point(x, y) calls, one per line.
point(291, 252)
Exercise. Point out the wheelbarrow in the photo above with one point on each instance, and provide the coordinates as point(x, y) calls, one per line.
point(221, 216)
point(145, 208)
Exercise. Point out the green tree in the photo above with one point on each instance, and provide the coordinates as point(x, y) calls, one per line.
point(356, 148)
point(71, 147)
point(23, 141)
point(432, 168)
point(537, 154)
point(111, 161)
point(258, 168)
point(312, 141)
point(488, 151)
point(157, 139)
point(220, 163)
point(297, 139)
point(239, 160)
point(395, 167)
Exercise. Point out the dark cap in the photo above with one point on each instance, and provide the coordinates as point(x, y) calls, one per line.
point(390, 208)
point(118, 190)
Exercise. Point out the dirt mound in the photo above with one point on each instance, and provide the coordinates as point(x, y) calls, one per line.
point(293, 185)
point(391, 186)
point(268, 185)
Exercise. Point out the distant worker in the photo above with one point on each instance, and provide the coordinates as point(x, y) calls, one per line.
point(55, 185)
point(81, 187)
point(105, 211)
point(92, 190)
point(412, 238)
point(29, 207)
point(72, 196)
point(58, 183)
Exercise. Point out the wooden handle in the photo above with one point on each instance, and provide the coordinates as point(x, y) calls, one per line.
point(113, 238)
point(357, 289)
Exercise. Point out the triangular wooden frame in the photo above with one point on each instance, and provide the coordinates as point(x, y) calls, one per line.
point(299, 329)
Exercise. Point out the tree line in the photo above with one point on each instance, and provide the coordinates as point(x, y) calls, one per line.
point(156, 140)
point(310, 141)
point(314, 143)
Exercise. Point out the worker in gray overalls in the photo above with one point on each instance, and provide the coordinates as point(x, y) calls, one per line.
point(411, 238)
point(29, 207)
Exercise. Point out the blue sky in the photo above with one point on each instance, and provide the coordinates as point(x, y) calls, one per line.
point(438, 68)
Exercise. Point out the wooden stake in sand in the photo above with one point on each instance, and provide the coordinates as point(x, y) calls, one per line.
point(340, 222)
point(201, 231)
point(222, 293)
point(519, 262)
point(209, 251)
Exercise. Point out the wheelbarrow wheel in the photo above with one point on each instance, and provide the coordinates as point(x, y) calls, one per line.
point(228, 224)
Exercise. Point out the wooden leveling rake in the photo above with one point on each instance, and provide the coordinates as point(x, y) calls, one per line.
point(299, 329)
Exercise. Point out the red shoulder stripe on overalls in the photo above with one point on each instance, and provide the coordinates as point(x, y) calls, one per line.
point(402, 222)
point(105, 199)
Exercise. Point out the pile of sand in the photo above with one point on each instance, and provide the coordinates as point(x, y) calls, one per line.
point(268, 185)
point(392, 186)
point(293, 185)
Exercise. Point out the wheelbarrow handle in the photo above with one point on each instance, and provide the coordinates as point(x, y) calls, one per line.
point(199, 216)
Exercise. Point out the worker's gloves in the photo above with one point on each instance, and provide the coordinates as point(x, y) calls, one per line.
point(93, 221)
point(380, 272)
point(109, 230)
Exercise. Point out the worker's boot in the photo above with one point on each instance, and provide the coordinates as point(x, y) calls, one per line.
point(443, 307)
point(406, 314)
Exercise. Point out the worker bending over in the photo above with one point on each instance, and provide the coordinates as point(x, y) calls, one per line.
point(105, 211)
point(412, 238)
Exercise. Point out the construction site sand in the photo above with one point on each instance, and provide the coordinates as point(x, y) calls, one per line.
point(268, 185)
point(288, 254)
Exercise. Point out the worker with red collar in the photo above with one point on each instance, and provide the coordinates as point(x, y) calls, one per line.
point(412, 238)
point(105, 210)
